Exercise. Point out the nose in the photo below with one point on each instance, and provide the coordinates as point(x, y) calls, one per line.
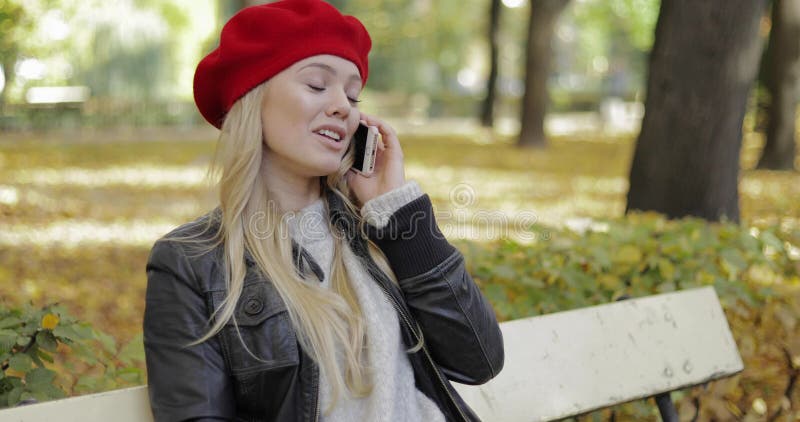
point(339, 105)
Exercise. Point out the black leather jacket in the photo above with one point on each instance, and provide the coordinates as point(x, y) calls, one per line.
point(219, 379)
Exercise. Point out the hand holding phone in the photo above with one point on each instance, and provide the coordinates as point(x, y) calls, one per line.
point(389, 172)
point(365, 143)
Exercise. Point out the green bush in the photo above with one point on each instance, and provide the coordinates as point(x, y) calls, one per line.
point(755, 273)
point(46, 354)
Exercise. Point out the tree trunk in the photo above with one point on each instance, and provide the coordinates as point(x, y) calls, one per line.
point(538, 53)
point(703, 63)
point(783, 83)
point(8, 72)
point(487, 110)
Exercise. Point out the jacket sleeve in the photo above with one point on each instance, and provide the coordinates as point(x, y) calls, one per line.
point(185, 382)
point(458, 323)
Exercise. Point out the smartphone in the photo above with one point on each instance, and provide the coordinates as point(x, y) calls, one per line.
point(365, 142)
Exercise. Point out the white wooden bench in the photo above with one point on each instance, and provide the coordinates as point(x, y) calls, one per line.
point(557, 365)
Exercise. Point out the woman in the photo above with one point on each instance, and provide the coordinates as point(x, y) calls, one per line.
point(311, 292)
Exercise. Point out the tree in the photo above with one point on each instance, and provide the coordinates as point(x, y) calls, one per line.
point(703, 63)
point(487, 109)
point(782, 80)
point(543, 17)
point(14, 23)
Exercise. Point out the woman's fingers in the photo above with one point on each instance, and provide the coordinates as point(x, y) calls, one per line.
point(388, 133)
point(389, 172)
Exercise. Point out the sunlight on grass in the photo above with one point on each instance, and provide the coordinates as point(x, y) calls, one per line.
point(146, 176)
point(8, 195)
point(516, 194)
point(72, 233)
point(481, 192)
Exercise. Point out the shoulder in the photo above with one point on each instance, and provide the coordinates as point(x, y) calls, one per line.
point(189, 251)
point(203, 228)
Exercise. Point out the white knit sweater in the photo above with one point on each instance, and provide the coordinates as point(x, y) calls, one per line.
point(394, 396)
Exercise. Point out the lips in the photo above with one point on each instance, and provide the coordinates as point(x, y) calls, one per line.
point(335, 133)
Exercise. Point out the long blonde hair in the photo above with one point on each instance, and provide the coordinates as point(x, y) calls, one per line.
point(325, 320)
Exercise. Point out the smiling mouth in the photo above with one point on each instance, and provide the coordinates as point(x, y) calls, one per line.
point(330, 134)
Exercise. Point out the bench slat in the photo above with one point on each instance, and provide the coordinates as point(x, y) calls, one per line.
point(124, 405)
point(567, 363)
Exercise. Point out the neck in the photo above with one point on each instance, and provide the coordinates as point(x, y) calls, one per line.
point(291, 191)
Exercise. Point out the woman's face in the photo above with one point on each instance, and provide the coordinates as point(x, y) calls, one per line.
point(309, 115)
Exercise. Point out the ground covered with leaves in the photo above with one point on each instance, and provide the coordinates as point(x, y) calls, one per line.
point(543, 231)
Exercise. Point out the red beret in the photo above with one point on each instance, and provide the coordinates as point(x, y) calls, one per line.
point(260, 41)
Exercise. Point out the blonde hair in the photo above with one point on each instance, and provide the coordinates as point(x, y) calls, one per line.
point(325, 320)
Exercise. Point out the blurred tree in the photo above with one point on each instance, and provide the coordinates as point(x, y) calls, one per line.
point(781, 75)
point(613, 42)
point(487, 110)
point(228, 8)
point(543, 17)
point(13, 26)
point(132, 59)
point(241, 4)
point(418, 49)
point(339, 4)
point(702, 66)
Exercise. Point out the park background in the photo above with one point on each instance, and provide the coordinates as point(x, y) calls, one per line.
point(524, 120)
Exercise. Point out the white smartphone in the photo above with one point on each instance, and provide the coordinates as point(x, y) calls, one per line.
point(365, 143)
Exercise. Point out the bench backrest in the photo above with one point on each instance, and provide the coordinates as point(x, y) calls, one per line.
point(568, 363)
point(125, 405)
point(557, 365)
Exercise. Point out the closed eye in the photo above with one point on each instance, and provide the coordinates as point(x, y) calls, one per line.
point(353, 101)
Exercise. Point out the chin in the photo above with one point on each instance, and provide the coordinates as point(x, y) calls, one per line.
point(327, 169)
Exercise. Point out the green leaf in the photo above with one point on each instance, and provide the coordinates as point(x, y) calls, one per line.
point(46, 340)
point(130, 375)
point(14, 396)
point(108, 342)
point(30, 328)
point(66, 332)
point(44, 392)
point(33, 352)
point(628, 254)
point(39, 376)
point(8, 339)
point(84, 330)
point(26, 395)
point(133, 351)
point(20, 362)
point(87, 383)
point(44, 356)
point(505, 271)
point(9, 322)
point(85, 354)
point(666, 269)
point(771, 240)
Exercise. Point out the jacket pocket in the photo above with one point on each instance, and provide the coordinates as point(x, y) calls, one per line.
point(261, 337)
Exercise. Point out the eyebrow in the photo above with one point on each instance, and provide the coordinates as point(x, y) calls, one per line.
point(353, 76)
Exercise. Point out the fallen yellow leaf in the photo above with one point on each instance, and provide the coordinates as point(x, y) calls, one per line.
point(49, 321)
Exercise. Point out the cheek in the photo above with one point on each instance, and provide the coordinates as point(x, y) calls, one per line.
point(286, 110)
point(280, 125)
point(352, 123)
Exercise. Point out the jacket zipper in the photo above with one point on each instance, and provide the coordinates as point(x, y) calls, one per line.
point(316, 403)
point(424, 349)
